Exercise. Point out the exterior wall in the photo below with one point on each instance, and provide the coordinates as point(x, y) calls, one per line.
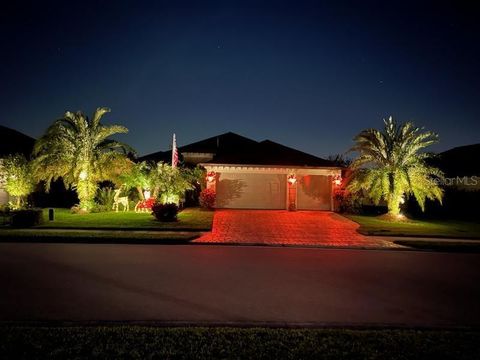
point(266, 187)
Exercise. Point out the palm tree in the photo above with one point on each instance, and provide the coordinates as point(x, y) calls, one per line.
point(79, 150)
point(391, 165)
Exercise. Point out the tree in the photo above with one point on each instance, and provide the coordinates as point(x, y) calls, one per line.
point(18, 178)
point(391, 165)
point(170, 183)
point(137, 176)
point(79, 151)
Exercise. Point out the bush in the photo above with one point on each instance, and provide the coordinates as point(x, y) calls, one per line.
point(27, 218)
point(165, 212)
point(207, 198)
point(347, 202)
point(104, 200)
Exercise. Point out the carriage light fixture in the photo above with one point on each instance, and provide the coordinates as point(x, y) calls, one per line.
point(337, 180)
point(292, 179)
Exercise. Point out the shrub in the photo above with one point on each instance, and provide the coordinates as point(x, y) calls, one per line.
point(165, 212)
point(347, 202)
point(18, 178)
point(104, 200)
point(27, 218)
point(207, 198)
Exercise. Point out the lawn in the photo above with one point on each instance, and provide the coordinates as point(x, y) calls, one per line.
point(372, 225)
point(191, 219)
point(142, 342)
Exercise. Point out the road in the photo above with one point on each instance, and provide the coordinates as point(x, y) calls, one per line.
point(237, 285)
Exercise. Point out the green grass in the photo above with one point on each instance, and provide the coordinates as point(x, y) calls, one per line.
point(372, 225)
point(192, 219)
point(141, 342)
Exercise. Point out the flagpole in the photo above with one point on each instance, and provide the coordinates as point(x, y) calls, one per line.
point(174, 151)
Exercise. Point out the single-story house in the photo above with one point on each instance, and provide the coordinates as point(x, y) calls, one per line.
point(247, 174)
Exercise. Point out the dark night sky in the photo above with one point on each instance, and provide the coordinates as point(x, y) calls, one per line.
point(306, 74)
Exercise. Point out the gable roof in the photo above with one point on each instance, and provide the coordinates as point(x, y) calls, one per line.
point(221, 144)
point(14, 142)
point(165, 156)
point(269, 152)
point(231, 148)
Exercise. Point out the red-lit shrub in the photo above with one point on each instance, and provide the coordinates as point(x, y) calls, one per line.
point(207, 198)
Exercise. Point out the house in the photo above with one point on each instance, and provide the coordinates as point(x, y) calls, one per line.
point(247, 174)
point(460, 167)
point(12, 142)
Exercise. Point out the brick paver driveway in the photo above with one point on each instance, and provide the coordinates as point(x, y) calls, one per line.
point(320, 228)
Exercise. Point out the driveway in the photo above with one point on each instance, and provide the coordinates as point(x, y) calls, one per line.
point(237, 285)
point(319, 228)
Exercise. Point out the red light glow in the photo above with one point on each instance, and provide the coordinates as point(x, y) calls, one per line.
point(292, 179)
point(337, 180)
point(211, 176)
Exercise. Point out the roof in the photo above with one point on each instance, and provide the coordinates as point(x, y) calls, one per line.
point(165, 156)
point(459, 161)
point(271, 153)
point(231, 148)
point(224, 143)
point(220, 144)
point(14, 142)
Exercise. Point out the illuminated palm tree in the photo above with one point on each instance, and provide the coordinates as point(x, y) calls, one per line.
point(391, 165)
point(79, 151)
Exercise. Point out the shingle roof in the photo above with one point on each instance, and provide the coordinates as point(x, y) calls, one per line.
point(459, 161)
point(220, 144)
point(271, 153)
point(231, 148)
point(165, 156)
point(14, 142)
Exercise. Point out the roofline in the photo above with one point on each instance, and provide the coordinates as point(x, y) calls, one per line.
point(275, 166)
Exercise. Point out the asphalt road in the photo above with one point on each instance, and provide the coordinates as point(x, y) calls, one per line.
point(245, 285)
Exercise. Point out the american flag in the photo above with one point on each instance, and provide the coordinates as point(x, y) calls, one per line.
point(174, 152)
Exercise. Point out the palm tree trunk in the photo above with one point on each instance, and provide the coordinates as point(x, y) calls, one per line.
point(393, 204)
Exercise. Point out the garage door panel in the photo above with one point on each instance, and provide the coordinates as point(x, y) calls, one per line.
point(251, 191)
point(314, 193)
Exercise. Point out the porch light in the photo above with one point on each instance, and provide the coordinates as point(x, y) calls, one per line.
point(210, 176)
point(292, 179)
point(337, 180)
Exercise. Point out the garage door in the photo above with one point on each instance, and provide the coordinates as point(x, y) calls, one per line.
point(251, 191)
point(313, 193)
